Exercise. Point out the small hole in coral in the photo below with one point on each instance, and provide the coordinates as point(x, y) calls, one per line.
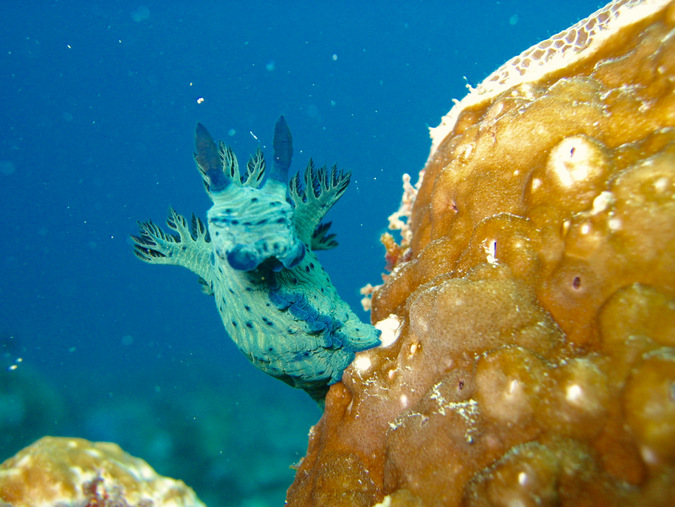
point(576, 282)
point(460, 385)
point(572, 152)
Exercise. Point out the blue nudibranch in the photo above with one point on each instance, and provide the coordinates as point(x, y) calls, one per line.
point(256, 257)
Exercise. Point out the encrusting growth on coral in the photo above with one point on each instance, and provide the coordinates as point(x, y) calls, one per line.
point(396, 253)
point(400, 221)
point(528, 352)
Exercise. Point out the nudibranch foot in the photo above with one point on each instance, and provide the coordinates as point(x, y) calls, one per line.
point(257, 259)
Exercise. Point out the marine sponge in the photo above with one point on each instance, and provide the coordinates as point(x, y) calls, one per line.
point(73, 471)
point(534, 313)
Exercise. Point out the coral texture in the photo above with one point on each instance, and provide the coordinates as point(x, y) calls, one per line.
point(275, 300)
point(528, 330)
point(75, 472)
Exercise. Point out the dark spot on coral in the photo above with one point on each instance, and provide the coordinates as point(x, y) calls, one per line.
point(247, 308)
point(254, 199)
point(234, 323)
point(249, 324)
point(460, 385)
point(576, 282)
point(280, 220)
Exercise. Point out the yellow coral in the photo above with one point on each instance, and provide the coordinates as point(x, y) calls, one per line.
point(74, 471)
point(534, 358)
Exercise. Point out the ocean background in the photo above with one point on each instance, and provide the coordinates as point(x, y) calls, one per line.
point(99, 100)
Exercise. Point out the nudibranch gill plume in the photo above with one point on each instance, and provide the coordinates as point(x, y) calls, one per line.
point(257, 258)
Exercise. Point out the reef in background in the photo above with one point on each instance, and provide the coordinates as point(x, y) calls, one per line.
point(207, 430)
point(531, 316)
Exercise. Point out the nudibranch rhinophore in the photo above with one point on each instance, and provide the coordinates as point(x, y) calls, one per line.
point(256, 257)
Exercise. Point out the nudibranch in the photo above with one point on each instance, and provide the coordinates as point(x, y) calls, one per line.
point(257, 258)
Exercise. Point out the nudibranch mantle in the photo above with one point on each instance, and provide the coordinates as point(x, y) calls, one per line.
point(257, 258)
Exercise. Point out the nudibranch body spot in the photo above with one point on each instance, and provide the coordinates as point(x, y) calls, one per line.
point(276, 301)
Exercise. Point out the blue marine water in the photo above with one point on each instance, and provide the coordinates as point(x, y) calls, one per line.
point(99, 101)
